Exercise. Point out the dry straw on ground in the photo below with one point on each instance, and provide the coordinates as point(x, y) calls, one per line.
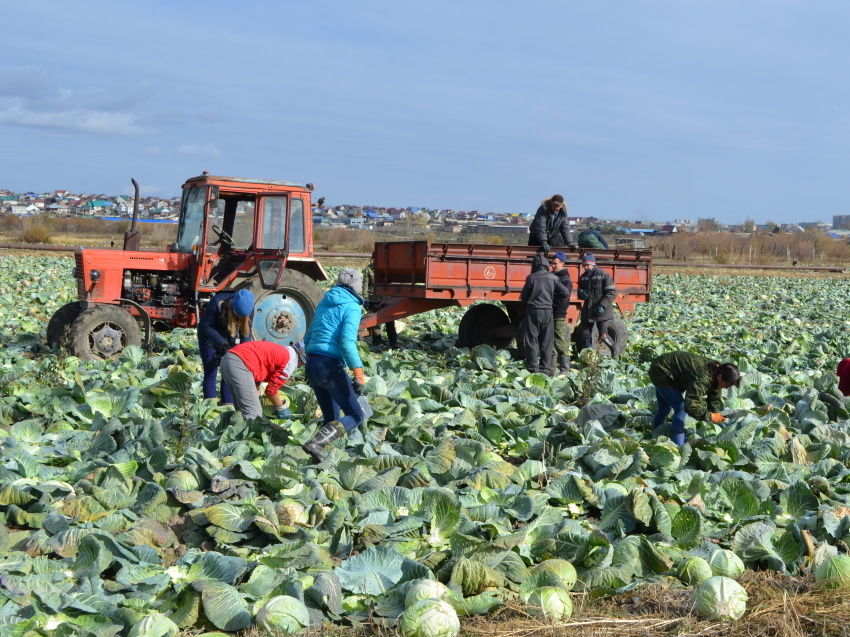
point(779, 606)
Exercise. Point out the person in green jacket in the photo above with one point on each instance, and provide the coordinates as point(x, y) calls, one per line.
point(690, 384)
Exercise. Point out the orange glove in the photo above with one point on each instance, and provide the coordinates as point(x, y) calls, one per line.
point(717, 418)
point(358, 374)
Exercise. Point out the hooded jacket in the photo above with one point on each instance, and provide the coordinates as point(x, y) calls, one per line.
point(541, 286)
point(592, 239)
point(547, 227)
point(843, 374)
point(333, 331)
point(688, 373)
point(601, 290)
point(562, 302)
point(212, 332)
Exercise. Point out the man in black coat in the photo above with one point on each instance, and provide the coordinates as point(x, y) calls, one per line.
point(596, 288)
point(539, 292)
point(550, 226)
point(559, 313)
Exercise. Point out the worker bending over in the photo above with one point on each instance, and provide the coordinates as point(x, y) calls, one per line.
point(690, 384)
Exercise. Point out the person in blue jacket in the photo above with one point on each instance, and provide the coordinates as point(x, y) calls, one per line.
point(226, 322)
point(331, 346)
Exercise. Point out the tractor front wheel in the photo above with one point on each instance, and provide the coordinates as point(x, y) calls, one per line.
point(283, 315)
point(102, 332)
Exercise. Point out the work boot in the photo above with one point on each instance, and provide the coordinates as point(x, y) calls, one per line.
point(325, 436)
point(377, 341)
point(393, 344)
point(608, 341)
point(564, 364)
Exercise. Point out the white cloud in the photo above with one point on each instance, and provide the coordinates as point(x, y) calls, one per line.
point(198, 150)
point(153, 151)
point(77, 121)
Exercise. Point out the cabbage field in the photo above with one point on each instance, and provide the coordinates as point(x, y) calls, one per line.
point(132, 506)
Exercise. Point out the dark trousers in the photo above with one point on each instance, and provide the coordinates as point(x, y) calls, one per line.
point(562, 341)
point(538, 337)
point(332, 386)
point(392, 336)
point(210, 376)
point(585, 332)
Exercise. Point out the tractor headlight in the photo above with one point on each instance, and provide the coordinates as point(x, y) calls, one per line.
point(74, 272)
point(94, 275)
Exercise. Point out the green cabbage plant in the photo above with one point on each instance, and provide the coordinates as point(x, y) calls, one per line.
point(720, 599)
point(562, 568)
point(693, 571)
point(154, 626)
point(726, 563)
point(834, 572)
point(430, 617)
point(424, 589)
point(550, 603)
point(283, 614)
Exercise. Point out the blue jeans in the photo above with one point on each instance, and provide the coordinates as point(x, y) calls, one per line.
point(332, 386)
point(671, 400)
point(210, 375)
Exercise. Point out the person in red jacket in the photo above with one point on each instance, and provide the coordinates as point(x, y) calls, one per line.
point(843, 374)
point(247, 365)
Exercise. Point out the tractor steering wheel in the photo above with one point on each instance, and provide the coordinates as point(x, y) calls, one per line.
point(223, 236)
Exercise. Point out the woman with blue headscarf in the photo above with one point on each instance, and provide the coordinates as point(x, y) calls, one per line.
point(226, 322)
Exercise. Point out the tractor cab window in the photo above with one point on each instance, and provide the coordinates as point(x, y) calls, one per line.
point(297, 240)
point(243, 225)
point(192, 219)
point(273, 235)
point(233, 213)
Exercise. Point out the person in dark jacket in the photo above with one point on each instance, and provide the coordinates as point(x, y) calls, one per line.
point(596, 288)
point(843, 373)
point(550, 226)
point(226, 322)
point(592, 239)
point(690, 384)
point(539, 294)
point(368, 276)
point(331, 345)
point(561, 352)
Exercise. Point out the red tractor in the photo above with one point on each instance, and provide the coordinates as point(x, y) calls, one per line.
point(234, 233)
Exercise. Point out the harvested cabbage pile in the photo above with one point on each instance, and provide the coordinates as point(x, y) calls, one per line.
point(130, 504)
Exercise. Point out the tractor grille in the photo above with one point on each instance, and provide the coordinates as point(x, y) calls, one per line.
point(81, 281)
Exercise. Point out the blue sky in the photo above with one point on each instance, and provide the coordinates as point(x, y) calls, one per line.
point(631, 110)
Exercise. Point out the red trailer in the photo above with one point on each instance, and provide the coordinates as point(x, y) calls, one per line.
point(418, 276)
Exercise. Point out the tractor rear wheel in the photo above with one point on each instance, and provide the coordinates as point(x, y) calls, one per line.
point(102, 333)
point(283, 315)
point(57, 328)
point(477, 326)
point(619, 334)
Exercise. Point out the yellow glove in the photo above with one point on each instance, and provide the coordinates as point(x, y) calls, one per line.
point(717, 418)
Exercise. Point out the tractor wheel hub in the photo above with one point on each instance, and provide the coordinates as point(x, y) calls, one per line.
point(106, 340)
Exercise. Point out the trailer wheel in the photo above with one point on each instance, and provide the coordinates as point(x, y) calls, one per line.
point(619, 334)
point(283, 315)
point(102, 333)
point(477, 325)
point(61, 320)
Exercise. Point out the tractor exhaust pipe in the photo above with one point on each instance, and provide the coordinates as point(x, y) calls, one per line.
point(133, 238)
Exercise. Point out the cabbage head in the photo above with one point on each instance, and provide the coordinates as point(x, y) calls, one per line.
point(834, 572)
point(154, 626)
point(693, 571)
point(424, 589)
point(720, 599)
point(550, 603)
point(283, 614)
point(429, 618)
point(725, 563)
point(561, 568)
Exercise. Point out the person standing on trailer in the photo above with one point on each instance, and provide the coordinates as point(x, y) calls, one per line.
point(227, 321)
point(368, 276)
point(596, 288)
point(561, 353)
point(538, 293)
point(248, 364)
point(592, 239)
point(550, 226)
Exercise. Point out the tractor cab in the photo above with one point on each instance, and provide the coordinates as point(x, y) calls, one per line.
point(233, 234)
